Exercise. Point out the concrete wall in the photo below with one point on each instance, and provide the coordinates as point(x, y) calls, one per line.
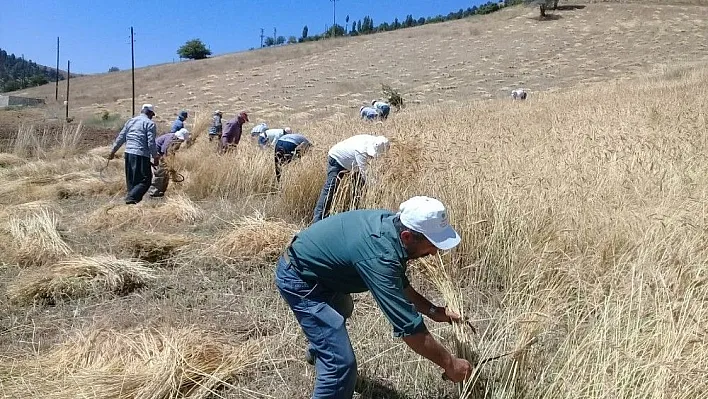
point(7, 101)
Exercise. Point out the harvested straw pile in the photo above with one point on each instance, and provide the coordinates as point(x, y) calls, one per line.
point(177, 208)
point(152, 247)
point(154, 363)
point(34, 238)
point(254, 238)
point(78, 277)
point(8, 160)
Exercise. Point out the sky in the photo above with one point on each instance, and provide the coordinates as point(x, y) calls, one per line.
point(95, 34)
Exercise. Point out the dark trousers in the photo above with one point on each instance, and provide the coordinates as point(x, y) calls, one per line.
point(284, 154)
point(138, 176)
point(324, 202)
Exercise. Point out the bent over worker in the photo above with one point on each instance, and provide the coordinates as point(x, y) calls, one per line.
point(167, 145)
point(318, 272)
point(288, 148)
point(348, 156)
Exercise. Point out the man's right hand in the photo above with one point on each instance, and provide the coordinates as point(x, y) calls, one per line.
point(458, 370)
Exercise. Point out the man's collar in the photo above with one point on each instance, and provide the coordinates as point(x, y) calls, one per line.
point(388, 230)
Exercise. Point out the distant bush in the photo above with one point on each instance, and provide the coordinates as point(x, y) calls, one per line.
point(393, 96)
point(113, 69)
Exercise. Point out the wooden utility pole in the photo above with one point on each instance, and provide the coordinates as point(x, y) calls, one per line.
point(334, 16)
point(262, 37)
point(132, 65)
point(56, 91)
point(68, 78)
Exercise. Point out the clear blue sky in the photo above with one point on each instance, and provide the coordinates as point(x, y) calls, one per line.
point(95, 34)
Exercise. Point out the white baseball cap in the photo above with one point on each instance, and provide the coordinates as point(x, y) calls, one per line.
point(377, 146)
point(148, 107)
point(427, 216)
point(182, 134)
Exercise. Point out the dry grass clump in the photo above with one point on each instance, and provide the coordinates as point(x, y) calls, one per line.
point(153, 246)
point(8, 160)
point(80, 277)
point(253, 238)
point(140, 363)
point(175, 208)
point(29, 142)
point(243, 172)
point(33, 238)
point(300, 187)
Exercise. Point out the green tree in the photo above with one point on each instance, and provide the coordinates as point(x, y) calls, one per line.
point(113, 69)
point(336, 30)
point(194, 49)
point(269, 41)
point(292, 39)
point(304, 32)
point(280, 40)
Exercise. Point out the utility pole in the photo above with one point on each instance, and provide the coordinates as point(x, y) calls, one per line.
point(68, 78)
point(262, 37)
point(334, 16)
point(56, 91)
point(275, 38)
point(132, 64)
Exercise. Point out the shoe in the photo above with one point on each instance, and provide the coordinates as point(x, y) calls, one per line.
point(130, 202)
point(310, 357)
point(157, 195)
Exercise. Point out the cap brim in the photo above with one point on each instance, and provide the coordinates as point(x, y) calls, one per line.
point(444, 240)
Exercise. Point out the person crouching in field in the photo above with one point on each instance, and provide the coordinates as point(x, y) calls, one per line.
point(270, 136)
point(258, 129)
point(138, 134)
point(383, 107)
point(369, 113)
point(232, 133)
point(358, 251)
point(167, 145)
point(349, 156)
point(216, 128)
point(288, 148)
point(179, 122)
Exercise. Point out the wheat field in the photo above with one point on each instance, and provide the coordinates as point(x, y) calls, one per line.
point(582, 212)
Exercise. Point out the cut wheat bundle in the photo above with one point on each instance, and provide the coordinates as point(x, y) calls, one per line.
point(141, 363)
point(78, 277)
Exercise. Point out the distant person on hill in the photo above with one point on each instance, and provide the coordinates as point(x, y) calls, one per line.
point(216, 128)
point(179, 122)
point(349, 156)
point(369, 113)
point(383, 107)
point(232, 132)
point(288, 148)
point(167, 145)
point(258, 129)
point(138, 134)
point(270, 136)
point(519, 94)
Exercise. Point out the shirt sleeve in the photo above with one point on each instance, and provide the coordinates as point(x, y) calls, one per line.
point(151, 134)
point(120, 139)
point(386, 281)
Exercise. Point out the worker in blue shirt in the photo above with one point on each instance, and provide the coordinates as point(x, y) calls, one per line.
point(365, 250)
point(179, 122)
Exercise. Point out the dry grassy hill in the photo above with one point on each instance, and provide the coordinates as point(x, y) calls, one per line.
point(582, 212)
point(477, 58)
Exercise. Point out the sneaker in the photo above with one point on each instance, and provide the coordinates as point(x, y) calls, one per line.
point(310, 357)
point(130, 202)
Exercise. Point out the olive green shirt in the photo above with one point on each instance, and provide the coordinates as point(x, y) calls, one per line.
point(359, 251)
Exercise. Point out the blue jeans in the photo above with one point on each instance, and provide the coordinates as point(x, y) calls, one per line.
point(330, 187)
point(138, 177)
point(322, 316)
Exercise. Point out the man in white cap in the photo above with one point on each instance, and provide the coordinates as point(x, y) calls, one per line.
point(167, 145)
point(270, 136)
point(349, 156)
point(317, 274)
point(139, 135)
point(518, 94)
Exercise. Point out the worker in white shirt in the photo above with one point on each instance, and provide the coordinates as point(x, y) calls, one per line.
point(270, 136)
point(383, 107)
point(369, 113)
point(349, 156)
point(258, 129)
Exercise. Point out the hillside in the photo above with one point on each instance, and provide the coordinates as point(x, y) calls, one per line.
point(17, 73)
point(481, 57)
point(581, 210)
